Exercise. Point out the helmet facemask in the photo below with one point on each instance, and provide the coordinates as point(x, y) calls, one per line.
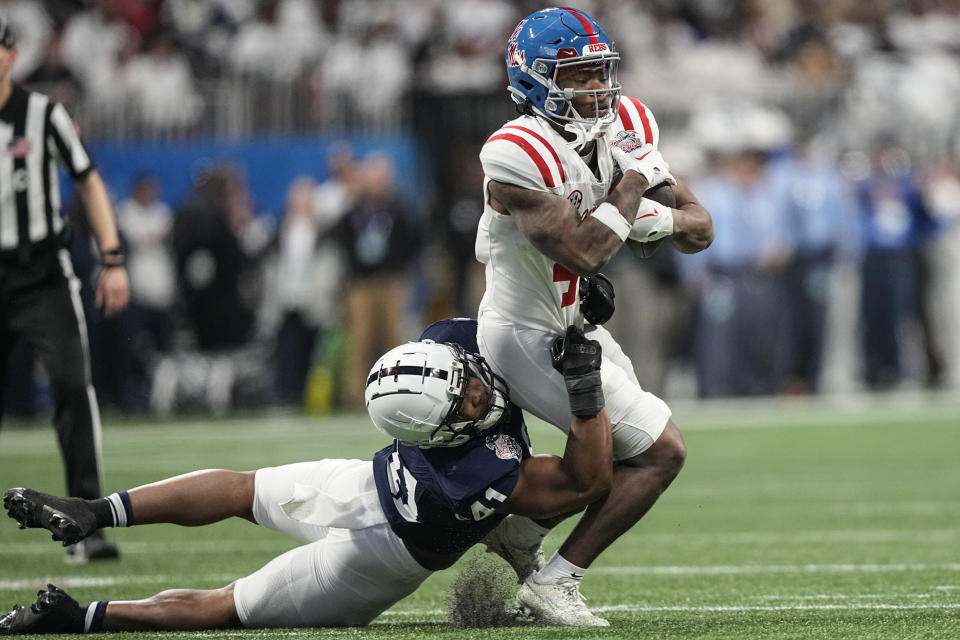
point(418, 393)
point(455, 429)
point(558, 106)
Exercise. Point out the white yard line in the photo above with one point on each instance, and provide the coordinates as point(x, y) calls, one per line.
point(783, 607)
point(719, 608)
point(66, 582)
point(837, 596)
point(206, 547)
point(233, 545)
point(693, 570)
point(105, 581)
point(660, 570)
point(857, 410)
point(858, 536)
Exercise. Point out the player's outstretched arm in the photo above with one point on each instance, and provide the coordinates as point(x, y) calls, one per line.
point(549, 486)
point(692, 224)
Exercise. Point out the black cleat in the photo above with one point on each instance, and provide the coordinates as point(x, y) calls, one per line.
point(93, 547)
point(68, 519)
point(53, 612)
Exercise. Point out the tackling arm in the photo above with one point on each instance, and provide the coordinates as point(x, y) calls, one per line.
point(548, 486)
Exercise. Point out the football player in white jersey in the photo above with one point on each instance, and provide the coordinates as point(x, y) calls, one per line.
point(553, 214)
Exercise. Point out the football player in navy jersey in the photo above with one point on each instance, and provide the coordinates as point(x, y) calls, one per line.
point(374, 532)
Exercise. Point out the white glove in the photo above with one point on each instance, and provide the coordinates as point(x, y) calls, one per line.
point(654, 221)
point(631, 153)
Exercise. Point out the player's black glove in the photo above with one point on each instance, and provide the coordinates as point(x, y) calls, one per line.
point(578, 359)
point(596, 298)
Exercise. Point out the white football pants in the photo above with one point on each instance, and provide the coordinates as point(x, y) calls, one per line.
point(341, 577)
point(522, 356)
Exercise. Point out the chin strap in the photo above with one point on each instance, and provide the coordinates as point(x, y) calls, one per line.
point(584, 135)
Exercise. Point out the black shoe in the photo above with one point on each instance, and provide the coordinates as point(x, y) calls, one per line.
point(68, 519)
point(93, 547)
point(53, 612)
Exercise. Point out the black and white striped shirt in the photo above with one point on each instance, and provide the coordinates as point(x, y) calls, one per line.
point(35, 135)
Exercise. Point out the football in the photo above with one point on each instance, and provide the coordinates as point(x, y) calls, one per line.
point(662, 193)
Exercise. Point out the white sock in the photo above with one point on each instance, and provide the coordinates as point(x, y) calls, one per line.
point(93, 620)
point(557, 568)
point(120, 508)
point(523, 532)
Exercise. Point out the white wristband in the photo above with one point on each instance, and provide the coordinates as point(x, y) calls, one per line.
point(610, 216)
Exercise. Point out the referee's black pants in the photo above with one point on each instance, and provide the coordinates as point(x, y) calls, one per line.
point(40, 302)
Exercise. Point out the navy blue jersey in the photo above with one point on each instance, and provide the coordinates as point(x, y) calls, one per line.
point(461, 331)
point(444, 499)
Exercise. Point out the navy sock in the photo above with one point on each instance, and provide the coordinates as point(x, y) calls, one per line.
point(113, 511)
point(94, 618)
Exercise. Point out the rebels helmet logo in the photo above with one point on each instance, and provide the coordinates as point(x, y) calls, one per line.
point(516, 32)
point(515, 58)
point(576, 199)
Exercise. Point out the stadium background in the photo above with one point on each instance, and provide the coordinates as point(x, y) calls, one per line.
point(235, 108)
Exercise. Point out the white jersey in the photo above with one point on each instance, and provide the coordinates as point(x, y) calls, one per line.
point(523, 285)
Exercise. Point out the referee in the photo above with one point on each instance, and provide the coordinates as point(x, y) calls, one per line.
point(39, 293)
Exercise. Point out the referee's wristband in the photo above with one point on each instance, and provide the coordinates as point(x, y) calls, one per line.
point(112, 258)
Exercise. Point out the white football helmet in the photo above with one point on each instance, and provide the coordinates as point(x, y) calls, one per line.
point(415, 392)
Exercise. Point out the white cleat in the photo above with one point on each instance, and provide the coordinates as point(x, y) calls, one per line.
point(524, 561)
point(559, 604)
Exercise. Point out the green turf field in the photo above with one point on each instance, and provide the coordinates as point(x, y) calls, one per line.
point(790, 520)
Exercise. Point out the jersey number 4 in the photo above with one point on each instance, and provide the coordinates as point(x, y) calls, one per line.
point(486, 505)
point(561, 274)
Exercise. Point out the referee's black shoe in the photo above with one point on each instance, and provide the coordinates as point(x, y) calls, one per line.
point(70, 520)
point(53, 612)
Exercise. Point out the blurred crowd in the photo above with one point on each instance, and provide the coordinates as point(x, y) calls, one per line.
point(170, 65)
point(823, 137)
point(828, 273)
point(134, 69)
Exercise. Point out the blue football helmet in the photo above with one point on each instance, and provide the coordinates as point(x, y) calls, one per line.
point(545, 43)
